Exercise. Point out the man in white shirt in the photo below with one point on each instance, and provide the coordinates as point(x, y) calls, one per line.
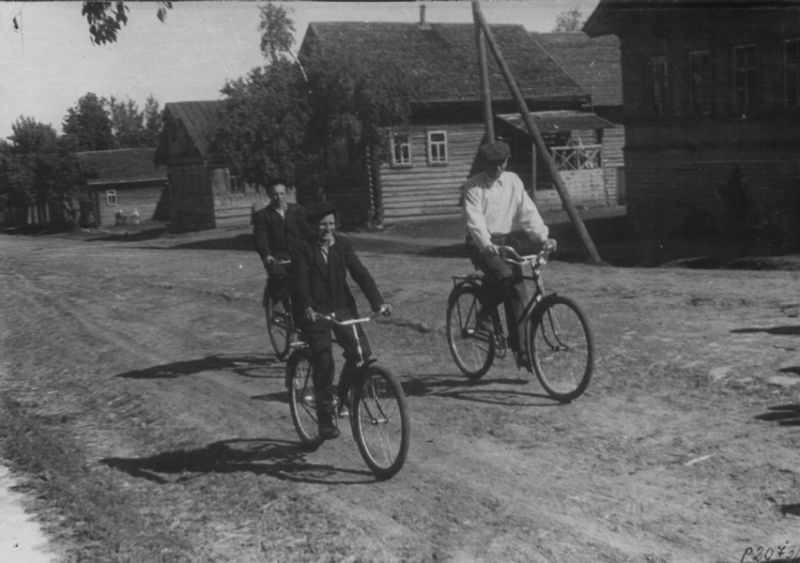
point(497, 210)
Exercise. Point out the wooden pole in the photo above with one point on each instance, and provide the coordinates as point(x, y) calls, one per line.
point(486, 95)
point(561, 188)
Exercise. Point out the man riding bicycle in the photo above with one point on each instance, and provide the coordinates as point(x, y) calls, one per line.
point(276, 228)
point(498, 212)
point(319, 287)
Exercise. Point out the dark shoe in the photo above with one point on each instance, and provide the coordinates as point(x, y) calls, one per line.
point(522, 360)
point(328, 432)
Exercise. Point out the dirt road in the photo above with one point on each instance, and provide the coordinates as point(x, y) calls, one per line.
point(148, 360)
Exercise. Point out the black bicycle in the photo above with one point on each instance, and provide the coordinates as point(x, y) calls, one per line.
point(374, 401)
point(280, 324)
point(556, 333)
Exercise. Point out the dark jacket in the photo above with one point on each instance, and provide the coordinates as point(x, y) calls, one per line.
point(274, 235)
point(323, 286)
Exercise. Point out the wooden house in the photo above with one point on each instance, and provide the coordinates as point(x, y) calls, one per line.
point(594, 63)
point(712, 115)
point(429, 159)
point(204, 194)
point(125, 186)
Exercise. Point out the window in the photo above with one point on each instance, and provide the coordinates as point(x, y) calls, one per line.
point(701, 85)
point(792, 72)
point(236, 184)
point(437, 147)
point(659, 79)
point(401, 149)
point(745, 77)
point(111, 198)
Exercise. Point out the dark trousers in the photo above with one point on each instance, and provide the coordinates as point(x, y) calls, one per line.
point(503, 284)
point(319, 335)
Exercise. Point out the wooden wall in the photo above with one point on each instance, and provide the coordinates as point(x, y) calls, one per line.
point(236, 209)
point(147, 200)
point(191, 199)
point(424, 189)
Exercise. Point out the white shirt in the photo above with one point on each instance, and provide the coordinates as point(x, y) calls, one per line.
point(500, 207)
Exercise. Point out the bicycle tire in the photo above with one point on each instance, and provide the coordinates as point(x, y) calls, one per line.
point(280, 334)
point(561, 347)
point(302, 399)
point(379, 419)
point(472, 350)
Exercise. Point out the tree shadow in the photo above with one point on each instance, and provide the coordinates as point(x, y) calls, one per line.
point(255, 366)
point(784, 415)
point(480, 391)
point(277, 458)
point(779, 330)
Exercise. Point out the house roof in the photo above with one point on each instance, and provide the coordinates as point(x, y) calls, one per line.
point(122, 166)
point(556, 121)
point(609, 15)
point(199, 119)
point(594, 63)
point(445, 58)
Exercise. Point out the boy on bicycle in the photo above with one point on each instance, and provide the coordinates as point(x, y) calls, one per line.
point(319, 287)
point(498, 212)
point(275, 229)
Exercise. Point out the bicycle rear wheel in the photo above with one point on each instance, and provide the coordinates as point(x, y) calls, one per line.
point(302, 401)
point(280, 327)
point(561, 347)
point(473, 349)
point(380, 421)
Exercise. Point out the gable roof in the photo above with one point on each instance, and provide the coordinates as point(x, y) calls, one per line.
point(594, 63)
point(122, 166)
point(445, 58)
point(199, 118)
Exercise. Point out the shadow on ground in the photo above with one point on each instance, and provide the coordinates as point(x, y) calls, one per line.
point(778, 330)
point(488, 391)
point(257, 366)
point(278, 458)
point(784, 415)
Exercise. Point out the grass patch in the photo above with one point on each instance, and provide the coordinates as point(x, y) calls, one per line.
point(82, 506)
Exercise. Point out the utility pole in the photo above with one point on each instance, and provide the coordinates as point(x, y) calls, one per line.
point(561, 188)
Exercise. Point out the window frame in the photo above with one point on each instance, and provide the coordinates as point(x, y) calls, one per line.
point(660, 85)
point(439, 147)
point(111, 198)
point(405, 160)
point(791, 74)
point(701, 99)
point(745, 79)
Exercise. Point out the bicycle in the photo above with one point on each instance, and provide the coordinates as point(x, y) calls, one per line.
point(280, 324)
point(375, 401)
point(556, 333)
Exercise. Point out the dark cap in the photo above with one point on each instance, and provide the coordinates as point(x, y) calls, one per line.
point(316, 211)
point(495, 151)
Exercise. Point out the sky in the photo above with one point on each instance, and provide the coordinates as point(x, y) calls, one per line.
point(47, 61)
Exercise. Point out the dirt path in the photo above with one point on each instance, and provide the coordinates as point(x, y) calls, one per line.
point(151, 357)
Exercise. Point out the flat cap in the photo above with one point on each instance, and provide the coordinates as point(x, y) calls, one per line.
point(318, 210)
point(495, 151)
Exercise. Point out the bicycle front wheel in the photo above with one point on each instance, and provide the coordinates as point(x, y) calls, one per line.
point(280, 327)
point(380, 421)
point(473, 349)
point(561, 347)
point(302, 400)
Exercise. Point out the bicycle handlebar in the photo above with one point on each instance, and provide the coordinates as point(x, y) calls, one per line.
point(513, 257)
point(350, 322)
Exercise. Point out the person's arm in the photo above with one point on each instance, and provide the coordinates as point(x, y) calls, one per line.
point(261, 235)
point(530, 220)
point(361, 275)
point(300, 283)
point(475, 219)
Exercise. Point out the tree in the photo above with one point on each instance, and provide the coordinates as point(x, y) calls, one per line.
point(38, 167)
point(263, 124)
point(153, 121)
point(571, 20)
point(88, 125)
point(276, 32)
point(106, 19)
point(127, 123)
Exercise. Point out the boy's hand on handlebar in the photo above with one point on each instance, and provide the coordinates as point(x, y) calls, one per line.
point(384, 310)
point(311, 314)
point(491, 250)
point(550, 245)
